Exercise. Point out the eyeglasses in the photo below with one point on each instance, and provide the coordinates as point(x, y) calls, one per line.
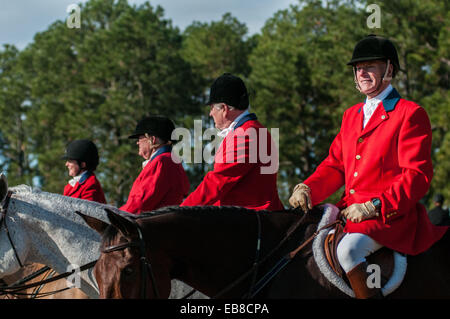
point(219, 106)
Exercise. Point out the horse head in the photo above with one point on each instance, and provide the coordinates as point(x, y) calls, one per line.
point(123, 260)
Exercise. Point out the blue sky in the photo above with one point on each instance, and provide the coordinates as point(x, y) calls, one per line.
point(21, 19)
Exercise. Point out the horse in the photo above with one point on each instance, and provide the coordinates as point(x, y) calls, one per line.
point(38, 227)
point(223, 251)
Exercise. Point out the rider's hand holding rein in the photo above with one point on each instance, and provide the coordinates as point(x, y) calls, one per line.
point(356, 213)
point(301, 196)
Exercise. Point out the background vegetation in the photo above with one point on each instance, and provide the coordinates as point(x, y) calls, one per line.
point(128, 61)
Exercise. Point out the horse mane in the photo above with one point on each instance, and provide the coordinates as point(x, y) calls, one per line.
point(200, 213)
point(23, 189)
point(54, 201)
point(208, 211)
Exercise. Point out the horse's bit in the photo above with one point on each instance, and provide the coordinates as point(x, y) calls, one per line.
point(146, 267)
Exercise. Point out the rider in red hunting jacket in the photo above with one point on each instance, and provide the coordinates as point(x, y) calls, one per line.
point(81, 161)
point(162, 182)
point(382, 154)
point(246, 163)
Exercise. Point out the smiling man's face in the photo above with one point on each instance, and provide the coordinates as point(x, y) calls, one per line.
point(369, 75)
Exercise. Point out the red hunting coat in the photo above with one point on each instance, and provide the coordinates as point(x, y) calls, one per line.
point(162, 182)
point(242, 174)
point(390, 159)
point(88, 187)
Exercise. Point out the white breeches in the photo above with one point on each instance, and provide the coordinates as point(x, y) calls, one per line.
point(353, 249)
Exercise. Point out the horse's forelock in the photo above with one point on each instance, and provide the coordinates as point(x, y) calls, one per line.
point(109, 236)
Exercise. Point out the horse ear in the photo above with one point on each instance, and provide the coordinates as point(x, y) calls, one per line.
point(123, 224)
point(3, 187)
point(94, 223)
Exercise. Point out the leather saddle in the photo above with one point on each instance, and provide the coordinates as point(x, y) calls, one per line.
point(382, 257)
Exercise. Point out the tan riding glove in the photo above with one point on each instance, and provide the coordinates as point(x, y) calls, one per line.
point(356, 213)
point(301, 196)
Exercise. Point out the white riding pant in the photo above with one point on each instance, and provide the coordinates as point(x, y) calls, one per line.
point(354, 248)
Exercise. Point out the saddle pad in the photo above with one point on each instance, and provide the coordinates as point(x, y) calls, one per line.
point(330, 213)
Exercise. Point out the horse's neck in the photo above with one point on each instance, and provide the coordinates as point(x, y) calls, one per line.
point(57, 238)
point(230, 241)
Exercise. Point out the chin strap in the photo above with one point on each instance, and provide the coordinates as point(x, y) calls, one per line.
point(387, 78)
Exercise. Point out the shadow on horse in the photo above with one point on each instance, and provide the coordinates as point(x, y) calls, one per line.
point(224, 251)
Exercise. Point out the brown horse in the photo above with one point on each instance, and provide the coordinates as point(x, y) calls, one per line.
point(214, 249)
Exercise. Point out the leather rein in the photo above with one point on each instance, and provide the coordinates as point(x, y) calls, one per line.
point(20, 285)
point(254, 288)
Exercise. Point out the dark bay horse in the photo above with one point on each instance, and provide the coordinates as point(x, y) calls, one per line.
point(210, 248)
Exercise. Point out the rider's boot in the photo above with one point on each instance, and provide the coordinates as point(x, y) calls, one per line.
point(358, 281)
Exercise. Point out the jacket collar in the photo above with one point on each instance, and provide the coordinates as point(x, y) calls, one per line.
point(245, 118)
point(161, 150)
point(80, 178)
point(389, 102)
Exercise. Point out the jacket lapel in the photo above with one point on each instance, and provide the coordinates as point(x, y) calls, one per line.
point(381, 113)
point(74, 189)
point(78, 184)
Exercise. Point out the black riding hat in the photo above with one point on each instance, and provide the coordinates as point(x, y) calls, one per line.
point(438, 198)
point(159, 126)
point(374, 47)
point(83, 151)
point(229, 89)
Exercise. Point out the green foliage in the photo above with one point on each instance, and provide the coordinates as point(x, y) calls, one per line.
point(14, 136)
point(218, 47)
point(96, 82)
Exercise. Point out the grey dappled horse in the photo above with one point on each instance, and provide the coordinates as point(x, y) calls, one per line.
point(44, 229)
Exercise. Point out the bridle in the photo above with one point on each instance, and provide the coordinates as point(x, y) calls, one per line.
point(3, 211)
point(146, 268)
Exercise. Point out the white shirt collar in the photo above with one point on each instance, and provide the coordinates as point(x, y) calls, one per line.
point(372, 103)
point(76, 179)
point(227, 130)
point(144, 163)
point(380, 97)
